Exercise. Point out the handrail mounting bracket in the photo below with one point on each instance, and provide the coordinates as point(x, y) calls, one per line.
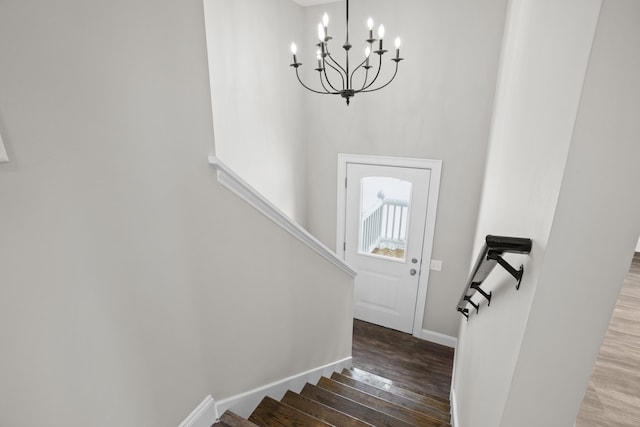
point(517, 274)
point(476, 306)
point(490, 255)
point(476, 286)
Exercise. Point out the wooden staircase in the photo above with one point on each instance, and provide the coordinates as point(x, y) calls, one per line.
point(351, 398)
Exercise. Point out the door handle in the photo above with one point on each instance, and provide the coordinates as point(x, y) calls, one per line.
point(412, 272)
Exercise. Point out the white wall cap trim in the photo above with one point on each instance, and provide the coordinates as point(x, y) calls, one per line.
point(241, 188)
point(203, 416)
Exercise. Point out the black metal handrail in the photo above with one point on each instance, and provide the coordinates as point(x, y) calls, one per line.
point(491, 255)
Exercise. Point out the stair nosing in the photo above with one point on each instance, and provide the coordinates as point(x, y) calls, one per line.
point(402, 413)
point(386, 395)
point(327, 407)
point(234, 418)
point(361, 372)
point(394, 421)
point(272, 400)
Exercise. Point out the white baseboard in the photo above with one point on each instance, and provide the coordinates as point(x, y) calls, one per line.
point(454, 409)
point(243, 404)
point(203, 416)
point(438, 338)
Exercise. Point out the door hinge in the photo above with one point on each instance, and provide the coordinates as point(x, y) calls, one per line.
point(345, 183)
point(344, 246)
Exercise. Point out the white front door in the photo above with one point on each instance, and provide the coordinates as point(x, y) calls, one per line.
point(385, 216)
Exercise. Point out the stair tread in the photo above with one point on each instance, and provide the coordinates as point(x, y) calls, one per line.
point(321, 412)
point(392, 386)
point(384, 383)
point(271, 413)
point(408, 415)
point(357, 410)
point(231, 419)
point(393, 397)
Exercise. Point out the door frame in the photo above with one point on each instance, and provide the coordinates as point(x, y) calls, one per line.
point(435, 166)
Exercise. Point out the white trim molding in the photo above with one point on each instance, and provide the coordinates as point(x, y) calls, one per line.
point(203, 416)
point(3, 152)
point(438, 338)
point(243, 404)
point(242, 189)
point(454, 409)
point(435, 166)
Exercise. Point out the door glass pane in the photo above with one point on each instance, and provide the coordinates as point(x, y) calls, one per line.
point(384, 215)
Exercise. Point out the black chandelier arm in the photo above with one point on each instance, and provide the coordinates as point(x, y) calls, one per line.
point(337, 64)
point(354, 72)
point(323, 85)
point(325, 63)
point(308, 88)
point(364, 89)
point(364, 83)
point(387, 83)
point(328, 54)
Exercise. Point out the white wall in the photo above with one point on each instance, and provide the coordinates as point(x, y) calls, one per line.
point(132, 284)
point(439, 107)
point(526, 360)
point(536, 107)
point(591, 240)
point(257, 109)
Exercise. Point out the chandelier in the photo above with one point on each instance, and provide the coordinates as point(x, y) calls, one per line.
point(340, 78)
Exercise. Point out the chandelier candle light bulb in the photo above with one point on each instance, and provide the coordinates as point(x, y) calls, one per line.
point(370, 25)
point(351, 80)
point(381, 34)
point(321, 33)
point(325, 24)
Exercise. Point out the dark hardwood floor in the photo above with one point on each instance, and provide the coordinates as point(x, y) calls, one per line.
point(613, 397)
point(412, 363)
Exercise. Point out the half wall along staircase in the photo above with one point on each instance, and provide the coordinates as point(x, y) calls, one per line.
point(353, 397)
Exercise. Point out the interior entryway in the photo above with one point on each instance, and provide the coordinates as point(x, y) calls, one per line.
point(386, 220)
